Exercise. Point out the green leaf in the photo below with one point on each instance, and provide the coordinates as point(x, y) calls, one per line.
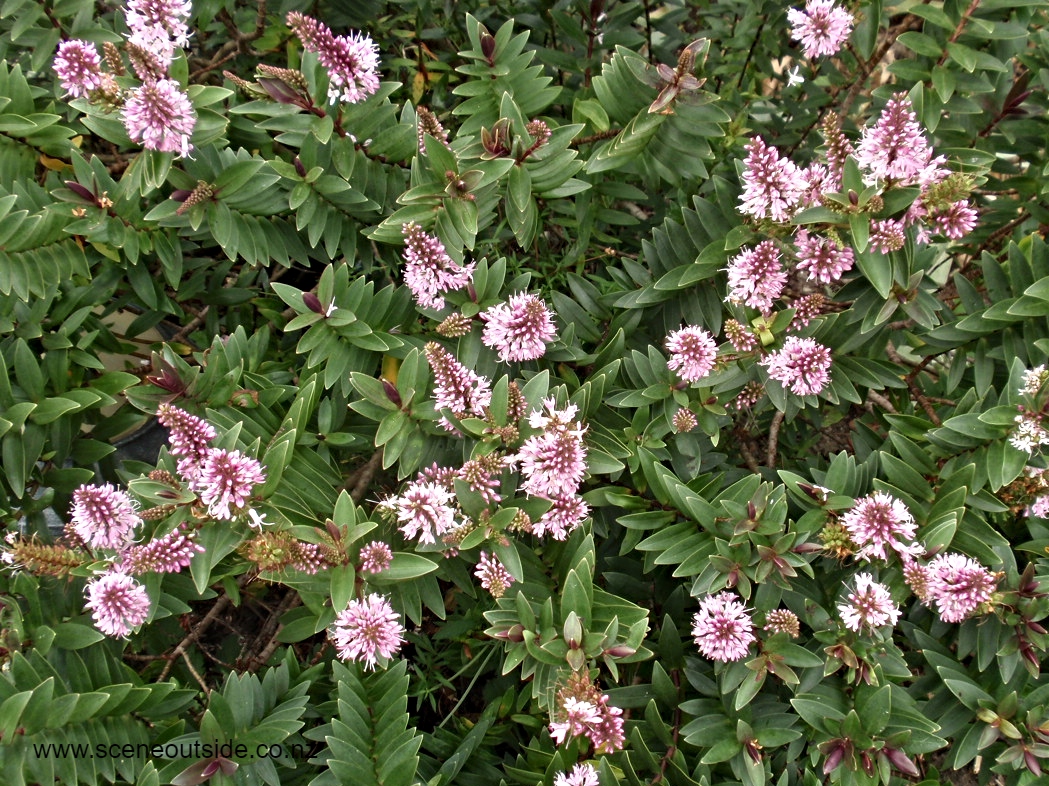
point(403, 567)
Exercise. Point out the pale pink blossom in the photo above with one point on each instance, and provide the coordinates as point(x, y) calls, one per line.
point(226, 481)
point(79, 67)
point(722, 628)
point(161, 117)
point(367, 630)
point(822, 28)
point(169, 553)
point(772, 186)
point(424, 510)
point(869, 606)
point(802, 366)
point(565, 514)
point(519, 329)
point(577, 717)
point(956, 221)
point(104, 517)
point(118, 603)
point(429, 272)
point(456, 387)
point(756, 276)
point(189, 435)
point(878, 522)
point(824, 259)
point(581, 775)
point(553, 462)
point(493, 575)
point(692, 353)
point(375, 557)
point(887, 235)
point(895, 148)
point(167, 16)
point(958, 585)
point(352, 61)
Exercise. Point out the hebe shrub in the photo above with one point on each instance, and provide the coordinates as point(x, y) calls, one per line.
point(614, 393)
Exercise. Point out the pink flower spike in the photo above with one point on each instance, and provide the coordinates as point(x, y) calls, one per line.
point(879, 520)
point(456, 387)
point(957, 221)
point(823, 259)
point(367, 630)
point(375, 557)
point(822, 28)
point(578, 717)
point(553, 463)
point(161, 117)
point(519, 329)
point(756, 277)
point(424, 511)
point(493, 575)
point(118, 603)
point(692, 353)
point(958, 585)
point(352, 62)
point(190, 436)
point(802, 366)
point(581, 775)
point(895, 148)
point(104, 517)
point(773, 186)
point(169, 553)
point(870, 606)
point(722, 628)
point(79, 67)
point(429, 271)
point(227, 480)
point(562, 518)
point(167, 16)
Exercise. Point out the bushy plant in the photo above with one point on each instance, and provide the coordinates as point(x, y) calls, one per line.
point(613, 393)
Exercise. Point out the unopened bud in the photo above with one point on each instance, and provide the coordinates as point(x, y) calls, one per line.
point(81, 191)
point(488, 46)
point(391, 392)
point(901, 761)
point(312, 302)
point(620, 651)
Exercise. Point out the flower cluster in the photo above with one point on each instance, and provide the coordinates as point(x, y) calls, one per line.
point(352, 62)
point(869, 606)
point(519, 329)
point(581, 775)
point(429, 272)
point(104, 517)
point(552, 464)
point(493, 575)
point(456, 388)
point(692, 353)
point(118, 603)
point(880, 521)
point(79, 68)
point(425, 510)
point(802, 365)
point(772, 186)
point(375, 557)
point(722, 628)
point(582, 710)
point(157, 113)
point(824, 259)
point(822, 28)
point(756, 277)
point(367, 630)
point(956, 584)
